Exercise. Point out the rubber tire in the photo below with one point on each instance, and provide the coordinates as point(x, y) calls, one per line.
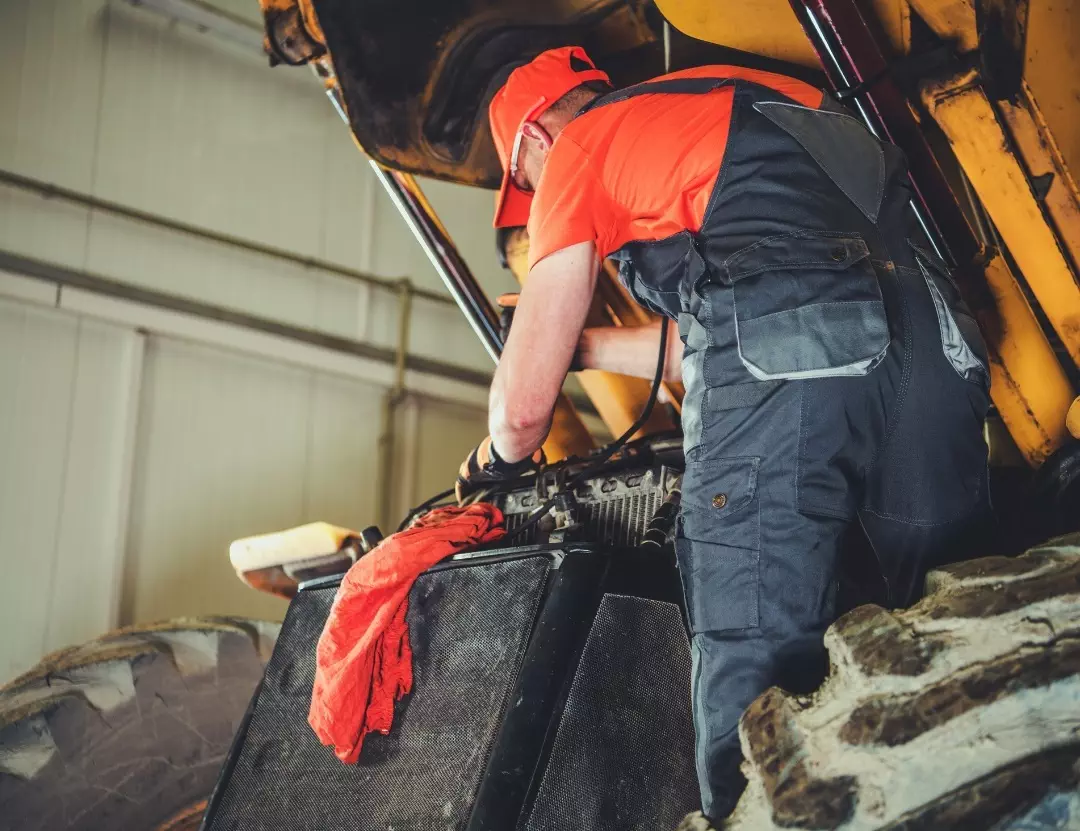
point(128, 731)
point(962, 712)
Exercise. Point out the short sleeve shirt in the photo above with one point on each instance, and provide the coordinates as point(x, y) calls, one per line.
point(641, 169)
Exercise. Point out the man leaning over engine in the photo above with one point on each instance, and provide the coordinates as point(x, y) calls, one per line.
point(832, 373)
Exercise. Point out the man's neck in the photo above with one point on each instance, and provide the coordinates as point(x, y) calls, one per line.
point(554, 122)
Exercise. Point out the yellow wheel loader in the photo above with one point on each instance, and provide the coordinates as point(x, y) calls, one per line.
point(552, 669)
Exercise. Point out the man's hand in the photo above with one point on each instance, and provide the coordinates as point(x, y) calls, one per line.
point(483, 466)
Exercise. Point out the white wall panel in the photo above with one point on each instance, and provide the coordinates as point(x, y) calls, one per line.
point(38, 361)
point(65, 394)
point(230, 446)
point(50, 72)
point(48, 229)
point(50, 83)
point(446, 433)
point(146, 454)
point(200, 130)
point(220, 455)
point(127, 106)
point(93, 510)
point(203, 270)
point(342, 477)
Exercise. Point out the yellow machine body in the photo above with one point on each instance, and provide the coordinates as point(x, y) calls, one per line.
point(1008, 159)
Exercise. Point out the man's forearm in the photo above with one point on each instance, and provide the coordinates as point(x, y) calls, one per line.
point(547, 327)
point(631, 350)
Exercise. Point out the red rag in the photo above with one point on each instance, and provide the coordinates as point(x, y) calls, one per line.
point(363, 663)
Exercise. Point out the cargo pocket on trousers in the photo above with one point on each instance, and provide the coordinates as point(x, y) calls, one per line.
point(718, 544)
point(961, 341)
point(807, 305)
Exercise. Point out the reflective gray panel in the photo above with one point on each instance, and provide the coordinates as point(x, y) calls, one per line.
point(957, 352)
point(816, 341)
point(848, 154)
point(693, 364)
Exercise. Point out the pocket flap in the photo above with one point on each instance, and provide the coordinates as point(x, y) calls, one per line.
point(831, 253)
point(719, 488)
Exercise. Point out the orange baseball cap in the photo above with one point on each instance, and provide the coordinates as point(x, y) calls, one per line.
point(527, 93)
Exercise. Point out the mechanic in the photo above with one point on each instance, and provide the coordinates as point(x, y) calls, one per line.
point(832, 373)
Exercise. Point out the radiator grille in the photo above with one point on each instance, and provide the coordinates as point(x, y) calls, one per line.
point(613, 510)
point(468, 628)
point(623, 758)
point(622, 521)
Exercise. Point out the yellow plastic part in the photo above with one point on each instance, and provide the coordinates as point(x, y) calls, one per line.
point(1027, 384)
point(960, 106)
point(1043, 160)
point(304, 542)
point(1072, 420)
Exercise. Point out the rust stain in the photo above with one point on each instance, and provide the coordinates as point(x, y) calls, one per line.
point(187, 819)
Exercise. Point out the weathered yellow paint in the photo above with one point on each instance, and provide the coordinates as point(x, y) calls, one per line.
point(965, 115)
point(1028, 386)
point(568, 435)
point(1035, 144)
point(1051, 58)
point(770, 28)
point(763, 27)
point(894, 19)
point(1052, 70)
point(951, 20)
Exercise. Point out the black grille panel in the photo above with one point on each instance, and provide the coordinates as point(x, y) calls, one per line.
point(623, 756)
point(468, 627)
point(622, 521)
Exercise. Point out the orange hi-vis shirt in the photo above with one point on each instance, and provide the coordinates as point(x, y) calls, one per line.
point(641, 169)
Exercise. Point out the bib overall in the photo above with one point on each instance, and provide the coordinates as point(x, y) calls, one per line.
point(832, 374)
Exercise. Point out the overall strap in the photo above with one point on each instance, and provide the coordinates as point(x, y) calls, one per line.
point(672, 86)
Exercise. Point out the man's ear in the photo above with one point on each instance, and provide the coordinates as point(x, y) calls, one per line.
point(530, 129)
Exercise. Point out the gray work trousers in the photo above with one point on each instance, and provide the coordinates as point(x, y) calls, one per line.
point(776, 472)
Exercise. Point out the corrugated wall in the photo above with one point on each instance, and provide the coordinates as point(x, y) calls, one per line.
point(135, 443)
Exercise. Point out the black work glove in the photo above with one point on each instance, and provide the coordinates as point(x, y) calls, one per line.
point(483, 466)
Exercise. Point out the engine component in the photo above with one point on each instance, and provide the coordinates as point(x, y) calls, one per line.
point(550, 693)
point(611, 507)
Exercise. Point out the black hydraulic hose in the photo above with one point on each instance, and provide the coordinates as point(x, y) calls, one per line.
point(663, 520)
point(654, 392)
point(609, 450)
point(594, 466)
point(423, 507)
